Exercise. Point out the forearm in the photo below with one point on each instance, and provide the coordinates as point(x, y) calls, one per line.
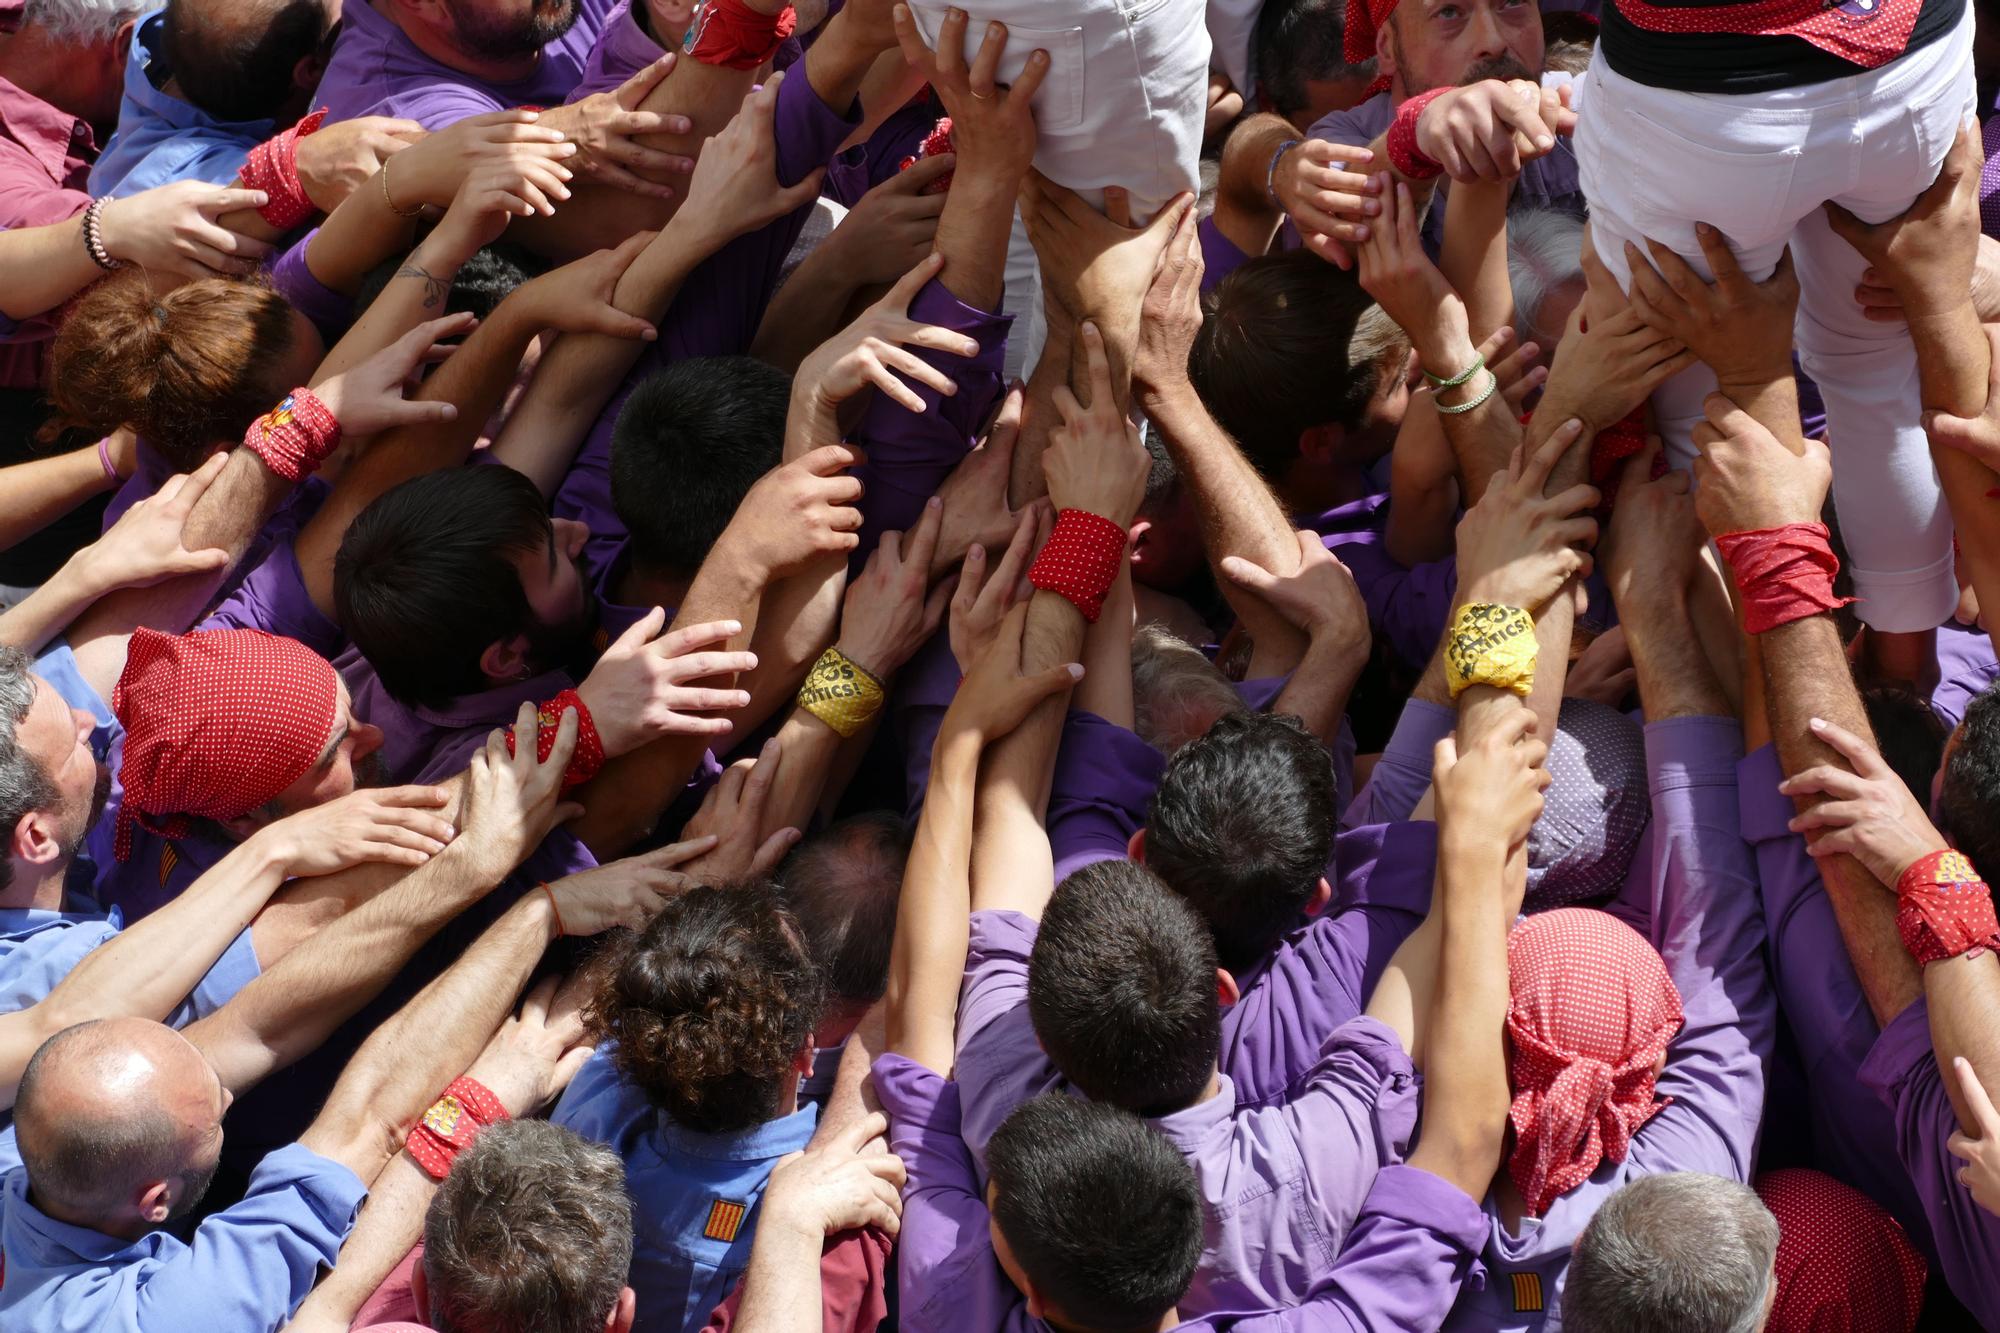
point(47, 611)
point(390, 1225)
point(1423, 489)
point(292, 1008)
point(1964, 1002)
point(1106, 688)
point(1014, 790)
point(362, 233)
point(1474, 257)
point(1806, 676)
point(428, 1042)
point(1318, 691)
point(972, 235)
point(415, 293)
point(1952, 359)
point(43, 490)
point(810, 308)
point(781, 1288)
point(1675, 679)
point(41, 267)
point(1245, 213)
point(1025, 481)
point(1237, 511)
point(927, 957)
point(807, 751)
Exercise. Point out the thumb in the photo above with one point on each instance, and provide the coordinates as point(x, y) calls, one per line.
point(1056, 679)
point(203, 561)
point(1957, 432)
point(804, 192)
point(410, 412)
point(1845, 225)
point(1247, 574)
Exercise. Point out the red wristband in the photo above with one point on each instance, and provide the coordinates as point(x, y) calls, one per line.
point(453, 1122)
point(1609, 449)
point(273, 167)
point(1081, 560)
point(1404, 155)
point(937, 142)
point(730, 34)
point(589, 756)
point(1784, 573)
point(294, 437)
point(1944, 909)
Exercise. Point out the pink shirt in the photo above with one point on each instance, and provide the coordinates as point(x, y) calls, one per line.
point(45, 156)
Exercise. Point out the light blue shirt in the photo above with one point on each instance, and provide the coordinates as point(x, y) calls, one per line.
point(246, 1272)
point(162, 139)
point(695, 1196)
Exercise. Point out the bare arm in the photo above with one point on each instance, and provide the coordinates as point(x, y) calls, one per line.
point(927, 960)
point(42, 490)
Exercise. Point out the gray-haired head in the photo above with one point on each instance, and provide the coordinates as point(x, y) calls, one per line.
point(80, 21)
point(25, 782)
point(530, 1233)
point(1177, 693)
point(1596, 809)
point(1675, 1253)
point(1545, 269)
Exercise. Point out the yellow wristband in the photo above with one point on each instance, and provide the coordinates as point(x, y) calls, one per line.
point(840, 692)
point(1490, 645)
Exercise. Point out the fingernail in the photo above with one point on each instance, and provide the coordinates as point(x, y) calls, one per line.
point(1817, 724)
point(933, 503)
point(1545, 143)
point(1075, 670)
point(975, 552)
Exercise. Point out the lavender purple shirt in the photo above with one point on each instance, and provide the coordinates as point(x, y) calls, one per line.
point(377, 71)
point(1966, 666)
point(1902, 1071)
point(1280, 1184)
point(1691, 891)
point(1410, 1245)
point(1406, 606)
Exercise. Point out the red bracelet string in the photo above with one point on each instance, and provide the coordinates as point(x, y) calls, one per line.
point(1944, 909)
point(294, 437)
point(1081, 560)
point(273, 167)
point(1784, 573)
point(453, 1122)
point(1609, 449)
point(589, 756)
point(730, 34)
point(1404, 155)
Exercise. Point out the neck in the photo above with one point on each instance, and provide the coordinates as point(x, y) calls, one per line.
point(38, 889)
point(130, 1229)
point(44, 69)
point(1314, 488)
point(442, 50)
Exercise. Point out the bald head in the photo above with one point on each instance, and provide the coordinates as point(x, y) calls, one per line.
point(240, 59)
point(119, 1123)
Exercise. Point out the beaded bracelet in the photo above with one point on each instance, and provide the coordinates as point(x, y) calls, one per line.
point(93, 237)
point(1492, 383)
point(1437, 382)
point(1271, 172)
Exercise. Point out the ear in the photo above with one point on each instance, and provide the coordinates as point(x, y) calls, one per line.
point(622, 1314)
point(1385, 48)
point(802, 1063)
point(155, 1201)
point(242, 826)
point(1322, 895)
point(1135, 847)
point(1226, 990)
point(420, 1290)
point(306, 73)
point(123, 40)
point(1321, 444)
point(1136, 535)
point(505, 659)
point(36, 840)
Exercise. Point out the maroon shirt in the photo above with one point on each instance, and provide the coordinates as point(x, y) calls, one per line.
point(45, 156)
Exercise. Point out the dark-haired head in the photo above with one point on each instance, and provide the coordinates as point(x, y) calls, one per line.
point(1302, 73)
point(189, 369)
point(247, 59)
point(479, 286)
point(1968, 798)
point(843, 885)
point(1096, 1218)
point(1122, 989)
point(1908, 732)
point(457, 580)
point(1242, 827)
point(688, 445)
point(1282, 321)
point(713, 1007)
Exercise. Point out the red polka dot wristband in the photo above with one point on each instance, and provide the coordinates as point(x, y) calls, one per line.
point(589, 756)
point(273, 167)
point(1784, 573)
point(1944, 909)
point(453, 1122)
point(1404, 155)
point(294, 437)
point(731, 35)
point(1081, 560)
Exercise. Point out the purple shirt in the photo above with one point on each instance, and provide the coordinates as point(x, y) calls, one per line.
point(881, 156)
point(1410, 1245)
point(623, 49)
point(1406, 606)
point(1825, 1010)
point(1280, 1184)
point(1691, 891)
point(1903, 1072)
point(416, 738)
point(1403, 773)
point(1965, 668)
point(910, 454)
point(716, 312)
point(1220, 256)
point(377, 71)
point(292, 279)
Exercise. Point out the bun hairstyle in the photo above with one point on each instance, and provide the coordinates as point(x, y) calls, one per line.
point(710, 1006)
point(188, 369)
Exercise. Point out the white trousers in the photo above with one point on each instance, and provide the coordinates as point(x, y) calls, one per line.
point(1123, 104)
point(1758, 166)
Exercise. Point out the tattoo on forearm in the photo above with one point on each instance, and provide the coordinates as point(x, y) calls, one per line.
point(434, 286)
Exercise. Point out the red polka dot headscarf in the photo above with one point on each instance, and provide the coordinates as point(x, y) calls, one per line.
point(1844, 1265)
point(1592, 1008)
point(1364, 19)
point(216, 723)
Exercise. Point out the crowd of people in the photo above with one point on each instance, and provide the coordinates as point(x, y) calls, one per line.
point(1257, 667)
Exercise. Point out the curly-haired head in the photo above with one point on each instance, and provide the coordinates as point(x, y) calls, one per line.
point(712, 1005)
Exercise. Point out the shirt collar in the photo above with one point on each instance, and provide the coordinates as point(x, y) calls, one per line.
point(1190, 1128)
point(48, 133)
point(170, 110)
point(32, 1235)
